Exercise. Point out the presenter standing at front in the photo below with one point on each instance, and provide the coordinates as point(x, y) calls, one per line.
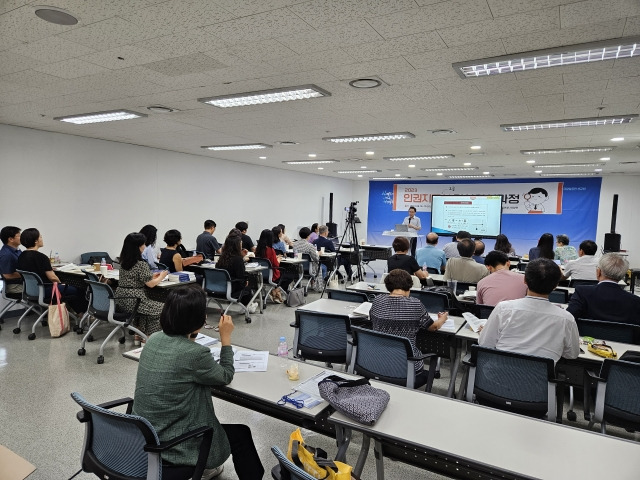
point(413, 222)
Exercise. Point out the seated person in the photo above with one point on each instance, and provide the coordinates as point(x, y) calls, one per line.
point(532, 325)
point(150, 254)
point(564, 252)
point(287, 241)
point(402, 315)
point(232, 260)
point(247, 243)
point(503, 245)
point(282, 277)
point(584, 267)
point(477, 254)
point(171, 256)
point(314, 233)
point(303, 246)
point(31, 260)
point(405, 262)
point(464, 268)
point(431, 256)
point(135, 275)
point(323, 241)
point(544, 249)
point(606, 300)
point(502, 283)
point(9, 254)
point(278, 242)
point(206, 242)
point(173, 388)
point(451, 248)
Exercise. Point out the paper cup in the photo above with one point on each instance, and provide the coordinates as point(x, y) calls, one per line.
point(96, 267)
point(103, 269)
point(321, 249)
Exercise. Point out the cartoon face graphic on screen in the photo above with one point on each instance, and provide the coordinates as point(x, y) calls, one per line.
point(534, 200)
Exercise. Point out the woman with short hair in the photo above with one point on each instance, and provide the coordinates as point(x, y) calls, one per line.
point(282, 278)
point(173, 388)
point(564, 252)
point(171, 256)
point(232, 260)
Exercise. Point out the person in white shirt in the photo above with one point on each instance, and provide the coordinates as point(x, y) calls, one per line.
point(584, 267)
point(532, 325)
point(413, 223)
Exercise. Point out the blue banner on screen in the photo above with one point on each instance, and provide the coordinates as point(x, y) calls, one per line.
point(530, 207)
point(480, 215)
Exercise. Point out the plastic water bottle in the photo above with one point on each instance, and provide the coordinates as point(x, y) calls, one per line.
point(283, 352)
point(57, 258)
point(103, 262)
point(424, 267)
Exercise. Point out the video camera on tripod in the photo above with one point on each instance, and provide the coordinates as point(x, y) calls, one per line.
point(351, 212)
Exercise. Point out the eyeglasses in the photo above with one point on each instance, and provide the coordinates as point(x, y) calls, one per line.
point(287, 399)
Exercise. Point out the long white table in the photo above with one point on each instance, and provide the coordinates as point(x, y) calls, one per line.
point(436, 430)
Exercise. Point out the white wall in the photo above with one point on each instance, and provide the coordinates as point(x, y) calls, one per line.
point(85, 194)
point(628, 218)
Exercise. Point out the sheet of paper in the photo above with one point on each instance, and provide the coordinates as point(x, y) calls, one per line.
point(215, 351)
point(362, 309)
point(448, 326)
point(310, 385)
point(474, 322)
point(205, 340)
point(251, 361)
point(309, 401)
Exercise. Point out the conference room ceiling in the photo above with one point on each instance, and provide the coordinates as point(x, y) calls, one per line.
point(133, 54)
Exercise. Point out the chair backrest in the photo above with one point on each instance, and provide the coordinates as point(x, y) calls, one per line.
point(433, 301)
point(321, 336)
point(576, 282)
point(267, 275)
point(161, 266)
point(217, 280)
point(382, 356)
point(306, 264)
point(33, 289)
point(483, 311)
point(613, 331)
point(347, 296)
point(433, 270)
point(559, 295)
point(513, 381)
point(103, 303)
point(286, 469)
point(620, 402)
point(462, 287)
point(93, 257)
point(126, 456)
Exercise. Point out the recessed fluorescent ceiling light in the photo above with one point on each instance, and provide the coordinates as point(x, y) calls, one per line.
point(605, 159)
point(545, 151)
point(448, 169)
point(390, 178)
point(531, 161)
point(248, 146)
point(420, 157)
point(97, 117)
point(475, 147)
point(358, 171)
point(553, 57)
point(275, 95)
point(571, 174)
point(575, 122)
point(617, 139)
point(309, 162)
point(562, 165)
point(469, 176)
point(371, 138)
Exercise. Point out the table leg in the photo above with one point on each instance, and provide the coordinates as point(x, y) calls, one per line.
point(343, 438)
point(362, 457)
point(377, 451)
point(455, 364)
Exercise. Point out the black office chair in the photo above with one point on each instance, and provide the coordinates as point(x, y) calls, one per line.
point(462, 287)
point(122, 446)
point(389, 358)
point(483, 311)
point(617, 393)
point(433, 301)
point(95, 257)
point(523, 384)
point(576, 282)
point(33, 298)
point(10, 300)
point(103, 308)
point(347, 296)
point(435, 271)
point(161, 266)
point(218, 285)
point(559, 295)
point(322, 337)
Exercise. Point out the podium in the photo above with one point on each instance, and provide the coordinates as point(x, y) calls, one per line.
point(393, 233)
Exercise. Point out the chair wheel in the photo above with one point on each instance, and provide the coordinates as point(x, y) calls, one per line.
point(437, 374)
point(248, 319)
point(45, 323)
point(16, 330)
point(81, 352)
point(100, 360)
point(32, 336)
point(121, 340)
point(571, 416)
point(375, 276)
point(90, 338)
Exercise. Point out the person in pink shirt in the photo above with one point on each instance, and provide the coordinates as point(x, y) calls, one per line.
point(502, 284)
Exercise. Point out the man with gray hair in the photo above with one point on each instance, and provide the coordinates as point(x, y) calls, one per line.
point(606, 300)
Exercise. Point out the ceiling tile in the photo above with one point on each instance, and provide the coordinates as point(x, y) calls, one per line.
point(376, 67)
point(10, 63)
point(502, 8)
point(331, 37)
point(177, 45)
point(51, 50)
point(129, 57)
point(259, 51)
point(418, 42)
point(518, 24)
point(194, 63)
point(110, 33)
point(632, 27)
point(273, 24)
point(312, 61)
point(324, 13)
point(7, 43)
point(582, 13)
point(178, 15)
point(440, 15)
point(92, 11)
point(242, 8)
point(71, 68)
point(22, 24)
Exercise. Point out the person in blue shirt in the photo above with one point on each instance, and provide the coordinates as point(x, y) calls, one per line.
point(323, 241)
point(9, 254)
point(430, 255)
point(477, 255)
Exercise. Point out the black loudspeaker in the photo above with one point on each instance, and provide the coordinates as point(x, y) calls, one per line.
point(333, 229)
point(611, 242)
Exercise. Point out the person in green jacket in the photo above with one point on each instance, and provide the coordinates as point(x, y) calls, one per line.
point(173, 387)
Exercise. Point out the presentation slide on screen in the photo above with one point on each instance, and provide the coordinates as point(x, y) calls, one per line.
point(480, 215)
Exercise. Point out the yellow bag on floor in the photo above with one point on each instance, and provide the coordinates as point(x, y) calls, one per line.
point(314, 460)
